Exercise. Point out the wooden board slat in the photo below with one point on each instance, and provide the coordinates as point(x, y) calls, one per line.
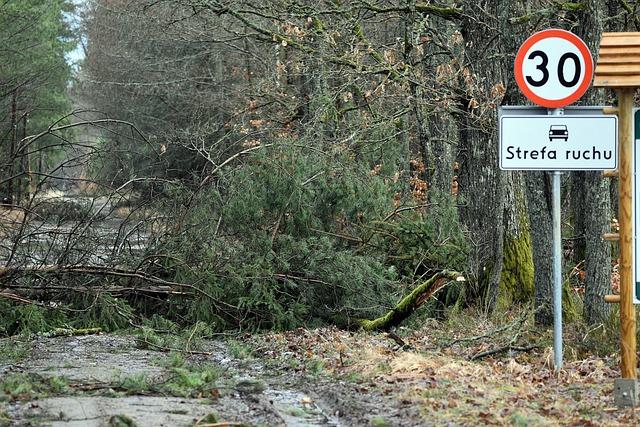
point(608, 60)
point(616, 56)
point(620, 50)
point(621, 69)
point(606, 80)
point(621, 34)
point(633, 40)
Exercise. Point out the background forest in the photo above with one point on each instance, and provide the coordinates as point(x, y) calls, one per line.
point(271, 164)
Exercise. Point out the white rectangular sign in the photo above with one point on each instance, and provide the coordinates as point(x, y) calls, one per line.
point(536, 142)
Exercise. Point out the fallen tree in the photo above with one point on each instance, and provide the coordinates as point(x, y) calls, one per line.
point(18, 293)
point(405, 307)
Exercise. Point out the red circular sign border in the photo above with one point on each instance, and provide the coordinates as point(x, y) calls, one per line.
point(571, 38)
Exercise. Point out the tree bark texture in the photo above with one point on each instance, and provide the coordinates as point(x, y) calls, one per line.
point(539, 202)
point(489, 38)
point(443, 131)
point(592, 202)
point(597, 251)
point(517, 281)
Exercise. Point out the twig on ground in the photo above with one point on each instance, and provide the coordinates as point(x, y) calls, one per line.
point(395, 337)
point(504, 349)
point(519, 322)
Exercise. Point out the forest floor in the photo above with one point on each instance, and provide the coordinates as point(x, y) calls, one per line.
point(438, 374)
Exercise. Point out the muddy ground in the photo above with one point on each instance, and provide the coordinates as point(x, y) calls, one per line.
point(321, 377)
point(247, 391)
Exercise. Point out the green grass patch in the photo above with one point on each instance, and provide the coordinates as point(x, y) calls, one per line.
point(238, 349)
point(13, 350)
point(27, 386)
point(379, 422)
point(121, 421)
point(518, 419)
point(181, 380)
point(191, 339)
point(296, 412)
point(315, 366)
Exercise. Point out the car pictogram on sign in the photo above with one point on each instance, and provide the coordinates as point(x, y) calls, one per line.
point(558, 132)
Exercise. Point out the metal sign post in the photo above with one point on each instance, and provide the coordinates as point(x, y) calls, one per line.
point(531, 130)
point(553, 68)
point(557, 261)
point(557, 272)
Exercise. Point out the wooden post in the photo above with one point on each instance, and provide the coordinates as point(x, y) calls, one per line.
point(625, 218)
point(618, 68)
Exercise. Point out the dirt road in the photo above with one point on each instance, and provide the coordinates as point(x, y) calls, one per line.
point(97, 380)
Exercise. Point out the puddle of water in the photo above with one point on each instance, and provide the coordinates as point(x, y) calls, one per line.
point(297, 409)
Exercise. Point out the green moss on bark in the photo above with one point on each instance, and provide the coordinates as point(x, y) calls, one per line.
point(516, 283)
point(570, 308)
point(405, 307)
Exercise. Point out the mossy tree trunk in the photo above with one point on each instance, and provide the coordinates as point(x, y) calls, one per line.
point(490, 41)
point(517, 279)
point(516, 283)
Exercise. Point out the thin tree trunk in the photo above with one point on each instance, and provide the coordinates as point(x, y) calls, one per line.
point(442, 131)
point(12, 144)
point(596, 204)
point(539, 202)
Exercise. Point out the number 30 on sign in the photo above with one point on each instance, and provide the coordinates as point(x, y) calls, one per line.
point(553, 68)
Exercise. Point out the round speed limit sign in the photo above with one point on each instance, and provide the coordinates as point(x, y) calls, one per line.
point(553, 68)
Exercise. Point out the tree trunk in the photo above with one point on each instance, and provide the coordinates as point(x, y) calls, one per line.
point(12, 145)
point(482, 191)
point(539, 202)
point(597, 251)
point(593, 205)
point(435, 127)
point(443, 133)
point(517, 281)
point(416, 99)
point(483, 186)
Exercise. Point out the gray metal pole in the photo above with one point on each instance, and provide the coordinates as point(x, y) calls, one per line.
point(557, 263)
point(557, 273)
